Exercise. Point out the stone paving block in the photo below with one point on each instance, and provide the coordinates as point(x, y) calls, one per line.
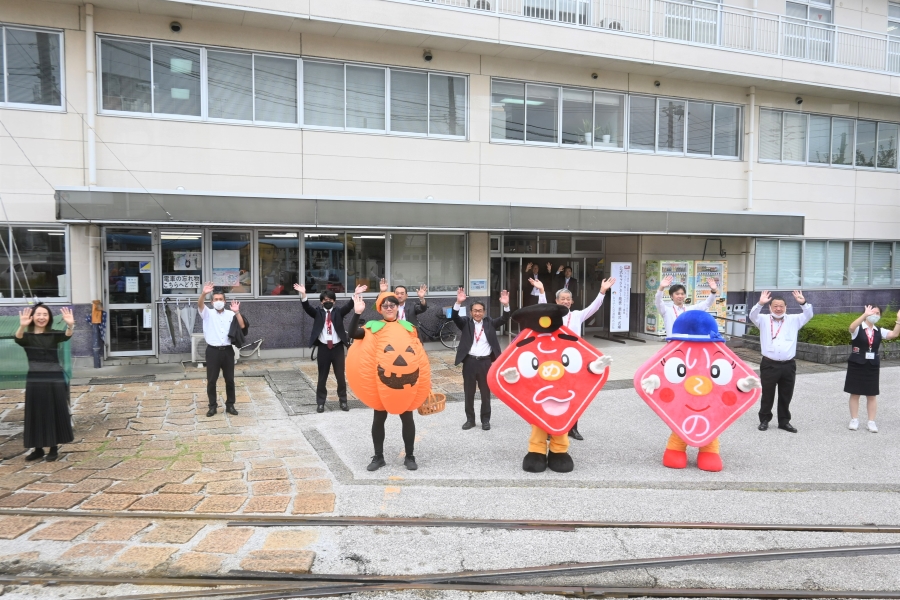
point(59, 500)
point(159, 453)
point(119, 530)
point(166, 476)
point(48, 467)
point(221, 504)
point(120, 473)
point(91, 486)
point(98, 463)
point(13, 527)
point(145, 558)
point(167, 502)
point(293, 539)
point(271, 487)
point(226, 540)
point(197, 563)
point(253, 454)
point(18, 480)
point(20, 500)
point(267, 504)
point(313, 485)
point(173, 532)
point(125, 443)
point(226, 487)
point(217, 457)
point(221, 476)
point(63, 531)
point(146, 463)
point(69, 476)
point(121, 453)
point(10, 469)
point(225, 466)
point(308, 504)
point(92, 550)
point(45, 487)
point(245, 446)
point(282, 561)
point(159, 445)
point(266, 463)
point(181, 488)
point(186, 465)
point(266, 474)
point(110, 502)
point(134, 487)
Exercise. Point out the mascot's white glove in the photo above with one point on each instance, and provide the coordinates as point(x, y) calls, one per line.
point(598, 366)
point(749, 383)
point(511, 375)
point(650, 384)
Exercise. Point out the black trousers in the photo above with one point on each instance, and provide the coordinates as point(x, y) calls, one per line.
point(328, 359)
point(780, 375)
point(409, 432)
point(220, 359)
point(475, 373)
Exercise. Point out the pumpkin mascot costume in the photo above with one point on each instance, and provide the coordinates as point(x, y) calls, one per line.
point(388, 370)
point(548, 375)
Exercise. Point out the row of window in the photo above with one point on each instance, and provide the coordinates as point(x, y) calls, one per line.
point(32, 67)
point(804, 138)
point(33, 262)
point(544, 114)
point(269, 263)
point(190, 81)
point(794, 264)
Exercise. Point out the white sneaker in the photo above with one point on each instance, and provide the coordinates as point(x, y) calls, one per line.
point(854, 424)
point(871, 426)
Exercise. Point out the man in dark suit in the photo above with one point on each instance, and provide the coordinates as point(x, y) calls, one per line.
point(478, 348)
point(565, 281)
point(406, 311)
point(329, 335)
point(533, 271)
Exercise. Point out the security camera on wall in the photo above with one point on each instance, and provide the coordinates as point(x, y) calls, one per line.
point(427, 56)
point(798, 100)
point(175, 26)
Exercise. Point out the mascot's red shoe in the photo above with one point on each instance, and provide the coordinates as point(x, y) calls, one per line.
point(675, 459)
point(709, 461)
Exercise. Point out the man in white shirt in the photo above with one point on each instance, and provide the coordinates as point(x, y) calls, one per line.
point(407, 311)
point(219, 351)
point(677, 293)
point(478, 348)
point(778, 345)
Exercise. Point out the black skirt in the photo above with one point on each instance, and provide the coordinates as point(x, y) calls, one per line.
point(47, 420)
point(862, 380)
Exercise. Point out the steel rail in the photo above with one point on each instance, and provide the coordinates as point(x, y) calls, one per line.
point(305, 521)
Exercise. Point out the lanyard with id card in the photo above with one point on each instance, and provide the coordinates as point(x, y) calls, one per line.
point(871, 336)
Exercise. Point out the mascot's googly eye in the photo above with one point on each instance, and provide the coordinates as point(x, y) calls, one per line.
point(528, 364)
point(721, 371)
point(675, 370)
point(571, 360)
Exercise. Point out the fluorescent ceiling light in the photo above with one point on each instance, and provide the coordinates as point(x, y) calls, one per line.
point(368, 237)
point(46, 230)
point(520, 101)
point(280, 235)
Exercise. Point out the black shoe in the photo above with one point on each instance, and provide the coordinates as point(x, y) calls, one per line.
point(53, 454)
point(560, 462)
point(38, 453)
point(573, 433)
point(344, 406)
point(320, 408)
point(468, 425)
point(534, 462)
point(410, 463)
point(211, 412)
point(377, 463)
point(486, 426)
point(231, 410)
point(763, 426)
point(787, 427)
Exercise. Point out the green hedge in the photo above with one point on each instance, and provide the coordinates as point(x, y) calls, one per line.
point(834, 329)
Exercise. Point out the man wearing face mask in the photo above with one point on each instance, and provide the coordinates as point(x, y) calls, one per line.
point(329, 335)
point(219, 351)
point(778, 345)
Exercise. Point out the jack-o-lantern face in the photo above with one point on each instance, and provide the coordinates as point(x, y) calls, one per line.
point(388, 369)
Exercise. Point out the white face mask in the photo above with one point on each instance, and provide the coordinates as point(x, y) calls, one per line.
point(218, 304)
point(873, 319)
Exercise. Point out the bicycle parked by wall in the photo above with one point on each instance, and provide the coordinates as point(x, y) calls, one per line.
point(446, 331)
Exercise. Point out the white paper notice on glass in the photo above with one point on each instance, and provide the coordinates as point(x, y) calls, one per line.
point(131, 285)
point(148, 318)
point(226, 259)
point(620, 297)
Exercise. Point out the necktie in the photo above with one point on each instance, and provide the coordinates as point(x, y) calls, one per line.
point(567, 284)
point(403, 313)
point(328, 329)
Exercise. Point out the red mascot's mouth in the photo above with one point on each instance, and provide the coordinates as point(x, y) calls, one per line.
point(396, 382)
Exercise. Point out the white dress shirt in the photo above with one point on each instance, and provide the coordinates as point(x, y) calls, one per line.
point(216, 325)
point(324, 337)
point(778, 337)
point(576, 318)
point(480, 345)
point(670, 312)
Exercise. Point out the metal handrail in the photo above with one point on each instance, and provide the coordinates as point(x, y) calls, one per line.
point(707, 23)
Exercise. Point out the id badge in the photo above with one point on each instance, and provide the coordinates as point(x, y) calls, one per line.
point(870, 356)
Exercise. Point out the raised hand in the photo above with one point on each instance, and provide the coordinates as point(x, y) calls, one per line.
point(423, 289)
point(67, 316)
point(235, 307)
point(528, 267)
point(359, 305)
point(606, 284)
point(25, 317)
point(383, 285)
point(712, 285)
point(208, 287)
point(869, 311)
point(798, 296)
point(300, 288)
point(504, 298)
point(360, 289)
point(560, 269)
point(549, 267)
point(667, 281)
point(460, 296)
point(765, 297)
point(537, 283)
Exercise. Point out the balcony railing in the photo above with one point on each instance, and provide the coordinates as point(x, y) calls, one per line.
point(711, 24)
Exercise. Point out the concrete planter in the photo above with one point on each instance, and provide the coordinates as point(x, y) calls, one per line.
point(826, 355)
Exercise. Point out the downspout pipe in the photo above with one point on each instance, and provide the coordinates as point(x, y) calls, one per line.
point(90, 111)
point(751, 147)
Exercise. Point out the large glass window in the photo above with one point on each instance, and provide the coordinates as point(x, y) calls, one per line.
point(33, 70)
point(409, 259)
point(230, 85)
point(842, 141)
point(642, 130)
point(279, 262)
point(859, 264)
point(324, 255)
point(577, 117)
point(33, 262)
point(323, 94)
point(700, 119)
point(727, 131)
point(276, 89)
point(231, 261)
point(815, 254)
point(409, 102)
point(365, 98)
point(670, 133)
point(819, 139)
point(176, 80)
point(182, 261)
point(365, 260)
point(447, 105)
point(609, 120)
point(794, 149)
point(789, 264)
point(125, 76)
point(507, 110)
point(129, 240)
point(541, 116)
point(865, 143)
point(446, 262)
point(881, 263)
point(826, 263)
point(769, 135)
point(837, 264)
point(886, 152)
point(766, 264)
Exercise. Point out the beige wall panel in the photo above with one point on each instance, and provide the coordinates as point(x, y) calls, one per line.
point(219, 15)
point(856, 5)
point(423, 173)
point(820, 210)
point(338, 144)
point(79, 247)
point(392, 190)
point(839, 229)
point(594, 42)
point(878, 196)
point(876, 213)
point(847, 18)
point(384, 54)
point(806, 195)
point(875, 179)
point(76, 73)
point(154, 180)
point(300, 7)
point(876, 230)
point(520, 155)
point(696, 202)
point(681, 189)
point(35, 205)
point(654, 164)
point(499, 66)
point(827, 76)
point(37, 124)
point(479, 109)
point(811, 104)
point(876, 7)
point(828, 176)
point(552, 179)
point(879, 111)
point(25, 179)
point(710, 59)
point(407, 16)
point(480, 258)
point(679, 88)
point(66, 154)
point(43, 14)
point(535, 197)
point(168, 9)
point(873, 22)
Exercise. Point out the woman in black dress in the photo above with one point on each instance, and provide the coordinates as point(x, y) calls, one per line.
point(47, 420)
point(864, 363)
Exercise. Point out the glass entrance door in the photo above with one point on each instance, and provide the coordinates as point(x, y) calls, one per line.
point(131, 325)
point(594, 272)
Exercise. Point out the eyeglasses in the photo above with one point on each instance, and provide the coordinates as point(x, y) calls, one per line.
point(389, 305)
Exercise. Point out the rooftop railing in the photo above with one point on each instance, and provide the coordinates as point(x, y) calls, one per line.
point(710, 24)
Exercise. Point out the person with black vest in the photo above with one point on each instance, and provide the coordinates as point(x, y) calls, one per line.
point(478, 348)
point(864, 364)
point(329, 336)
point(406, 311)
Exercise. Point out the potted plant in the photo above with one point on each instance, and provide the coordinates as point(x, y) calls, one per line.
point(586, 130)
point(605, 134)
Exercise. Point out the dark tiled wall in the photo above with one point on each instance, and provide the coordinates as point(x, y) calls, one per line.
point(81, 339)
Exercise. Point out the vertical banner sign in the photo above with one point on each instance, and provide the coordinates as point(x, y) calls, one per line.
point(620, 300)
